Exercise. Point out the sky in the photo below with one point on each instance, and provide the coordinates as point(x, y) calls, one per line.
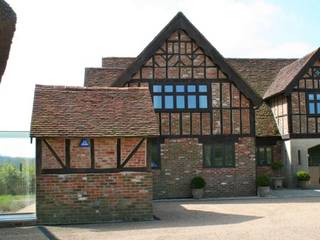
point(56, 39)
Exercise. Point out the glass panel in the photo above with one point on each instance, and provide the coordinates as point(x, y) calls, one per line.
point(180, 88)
point(311, 97)
point(154, 154)
point(311, 108)
point(157, 102)
point(207, 155)
point(203, 101)
point(192, 102)
point(168, 88)
point(318, 96)
point(268, 155)
point(218, 155)
point(191, 88)
point(17, 173)
point(261, 157)
point(318, 108)
point(203, 88)
point(180, 102)
point(168, 102)
point(156, 88)
point(229, 155)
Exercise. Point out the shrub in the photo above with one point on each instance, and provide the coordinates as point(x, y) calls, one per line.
point(198, 183)
point(263, 181)
point(303, 176)
point(277, 165)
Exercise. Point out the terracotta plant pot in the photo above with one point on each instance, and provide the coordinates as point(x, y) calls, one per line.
point(303, 184)
point(264, 191)
point(197, 193)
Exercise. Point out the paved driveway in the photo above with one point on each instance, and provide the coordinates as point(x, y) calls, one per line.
point(291, 218)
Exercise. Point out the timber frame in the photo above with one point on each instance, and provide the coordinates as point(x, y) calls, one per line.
point(66, 169)
point(180, 22)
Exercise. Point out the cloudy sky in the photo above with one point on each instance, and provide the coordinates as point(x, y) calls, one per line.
point(56, 39)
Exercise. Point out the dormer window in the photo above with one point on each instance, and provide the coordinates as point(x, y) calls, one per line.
point(180, 96)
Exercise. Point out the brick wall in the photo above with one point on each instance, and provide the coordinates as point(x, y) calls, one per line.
point(181, 159)
point(96, 197)
point(93, 197)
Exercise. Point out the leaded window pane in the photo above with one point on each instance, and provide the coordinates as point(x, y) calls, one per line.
point(157, 102)
point(191, 88)
point(203, 101)
point(180, 102)
point(156, 88)
point(180, 88)
point(192, 102)
point(168, 102)
point(168, 88)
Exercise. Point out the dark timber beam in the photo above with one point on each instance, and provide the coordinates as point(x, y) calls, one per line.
point(54, 153)
point(38, 156)
point(134, 150)
point(118, 152)
point(90, 170)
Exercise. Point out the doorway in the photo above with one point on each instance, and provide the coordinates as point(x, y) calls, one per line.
point(314, 165)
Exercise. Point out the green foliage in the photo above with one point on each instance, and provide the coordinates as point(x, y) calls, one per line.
point(276, 165)
point(303, 176)
point(198, 183)
point(10, 203)
point(16, 180)
point(263, 181)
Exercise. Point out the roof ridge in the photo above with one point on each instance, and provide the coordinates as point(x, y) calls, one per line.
point(80, 88)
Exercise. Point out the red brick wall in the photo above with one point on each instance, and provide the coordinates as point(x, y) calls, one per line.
point(79, 156)
point(181, 159)
point(96, 197)
point(139, 158)
point(58, 146)
point(104, 151)
point(93, 197)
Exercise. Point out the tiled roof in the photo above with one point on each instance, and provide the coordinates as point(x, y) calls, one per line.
point(259, 74)
point(101, 77)
point(92, 112)
point(287, 74)
point(7, 28)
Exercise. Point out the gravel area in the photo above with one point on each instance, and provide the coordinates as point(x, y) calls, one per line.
point(272, 218)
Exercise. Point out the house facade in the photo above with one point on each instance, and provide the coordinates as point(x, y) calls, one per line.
point(225, 119)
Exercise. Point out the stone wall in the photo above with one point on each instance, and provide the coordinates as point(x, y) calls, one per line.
point(181, 160)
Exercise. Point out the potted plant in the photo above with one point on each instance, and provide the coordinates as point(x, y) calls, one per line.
point(303, 179)
point(277, 180)
point(263, 183)
point(197, 186)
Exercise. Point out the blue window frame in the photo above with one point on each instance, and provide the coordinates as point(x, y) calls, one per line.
point(313, 103)
point(180, 96)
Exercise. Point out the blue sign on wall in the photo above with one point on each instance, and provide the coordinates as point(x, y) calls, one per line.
point(84, 142)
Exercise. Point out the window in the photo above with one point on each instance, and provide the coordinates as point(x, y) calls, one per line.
point(181, 97)
point(154, 153)
point(218, 155)
point(264, 155)
point(314, 103)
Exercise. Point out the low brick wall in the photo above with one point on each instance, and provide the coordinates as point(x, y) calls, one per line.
point(94, 197)
point(181, 160)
